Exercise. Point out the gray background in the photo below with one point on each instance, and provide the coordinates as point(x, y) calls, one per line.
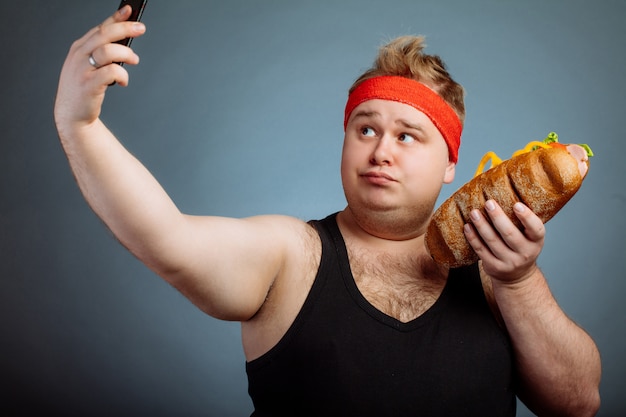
point(237, 109)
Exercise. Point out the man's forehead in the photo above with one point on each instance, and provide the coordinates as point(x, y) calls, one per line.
point(399, 113)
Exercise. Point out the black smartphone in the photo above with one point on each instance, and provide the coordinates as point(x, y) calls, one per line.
point(135, 15)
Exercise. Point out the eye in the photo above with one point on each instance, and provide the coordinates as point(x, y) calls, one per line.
point(406, 138)
point(368, 131)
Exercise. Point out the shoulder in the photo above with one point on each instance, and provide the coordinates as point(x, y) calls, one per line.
point(299, 242)
point(272, 231)
point(293, 232)
point(304, 244)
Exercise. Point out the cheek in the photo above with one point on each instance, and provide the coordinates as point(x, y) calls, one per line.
point(351, 155)
point(347, 158)
point(427, 170)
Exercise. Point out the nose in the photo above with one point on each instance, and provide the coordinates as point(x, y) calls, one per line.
point(382, 154)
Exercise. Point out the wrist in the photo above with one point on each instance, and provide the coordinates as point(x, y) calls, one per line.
point(71, 131)
point(528, 278)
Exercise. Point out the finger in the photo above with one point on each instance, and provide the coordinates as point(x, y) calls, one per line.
point(477, 243)
point(489, 235)
point(503, 256)
point(113, 33)
point(112, 74)
point(534, 229)
point(119, 16)
point(101, 49)
point(113, 29)
point(506, 230)
point(110, 53)
point(493, 252)
point(531, 227)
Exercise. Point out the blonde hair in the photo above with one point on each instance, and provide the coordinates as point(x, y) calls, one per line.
point(403, 57)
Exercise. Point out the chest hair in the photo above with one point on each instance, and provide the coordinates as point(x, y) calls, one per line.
point(401, 286)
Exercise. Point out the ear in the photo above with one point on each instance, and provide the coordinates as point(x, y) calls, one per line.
point(449, 174)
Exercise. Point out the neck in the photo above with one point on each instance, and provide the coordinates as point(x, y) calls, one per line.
point(406, 246)
point(383, 226)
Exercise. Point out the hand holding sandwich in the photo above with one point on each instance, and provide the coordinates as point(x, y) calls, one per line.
point(541, 178)
point(507, 252)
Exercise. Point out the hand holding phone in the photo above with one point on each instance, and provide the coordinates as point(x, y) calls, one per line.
point(137, 7)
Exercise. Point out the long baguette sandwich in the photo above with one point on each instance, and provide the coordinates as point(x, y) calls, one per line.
point(544, 176)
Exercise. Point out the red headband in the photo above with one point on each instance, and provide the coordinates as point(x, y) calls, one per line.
point(415, 94)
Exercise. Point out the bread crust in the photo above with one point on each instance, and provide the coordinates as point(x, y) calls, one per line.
point(544, 180)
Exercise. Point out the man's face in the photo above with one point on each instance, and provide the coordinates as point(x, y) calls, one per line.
point(394, 161)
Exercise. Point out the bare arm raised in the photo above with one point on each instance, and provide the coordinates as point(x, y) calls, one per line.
point(225, 266)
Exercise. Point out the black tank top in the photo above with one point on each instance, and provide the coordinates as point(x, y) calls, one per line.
point(343, 357)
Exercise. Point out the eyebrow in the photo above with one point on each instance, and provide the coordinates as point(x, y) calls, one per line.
point(403, 122)
point(363, 113)
point(409, 125)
